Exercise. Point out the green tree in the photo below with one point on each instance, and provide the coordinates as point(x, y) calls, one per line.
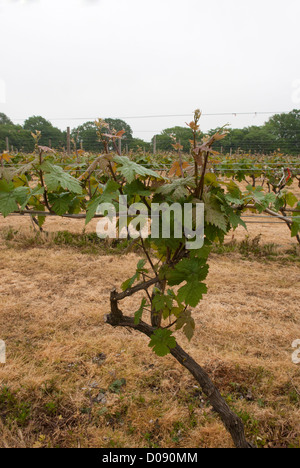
point(259, 139)
point(18, 138)
point(49, 132)
point(118, 125)
point(164, 141)
point(4, 120)
point(286, 130)
point(137, 143)
point(249, 139)
point(87, 134)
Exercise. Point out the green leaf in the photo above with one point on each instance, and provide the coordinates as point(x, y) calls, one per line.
point(187, 270)
point(117, 385)
point(235, 220)
point(261, 199)
point(35, 192)
point(158, 302)
point(8, 203)
point(61, 203)
point(213, 213)
point(138, 314)
point(295, 226)
point(177, 187)
point(130, 169)
point(129, 282)
point(9, 199)
point(56, 177)
point(140, 266)
point(192, 292)
point(139, 270)
point(186, 321)
point(6, 186)
point(110, 191)
point(92, 208)
point(162, 342)
point(137, 188)
point(193, 271)
point(290, 199)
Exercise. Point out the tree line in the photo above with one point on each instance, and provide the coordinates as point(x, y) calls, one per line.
point(281, 131)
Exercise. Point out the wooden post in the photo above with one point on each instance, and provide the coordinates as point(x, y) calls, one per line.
point(7, 144)
point(68, 140)
point(120, 146)
point(81, 144)
point(126, 149)
point(154, 144)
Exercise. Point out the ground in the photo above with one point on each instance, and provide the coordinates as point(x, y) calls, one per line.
point(73, 381)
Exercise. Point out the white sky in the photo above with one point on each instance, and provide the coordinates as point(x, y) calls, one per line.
point(71, 59)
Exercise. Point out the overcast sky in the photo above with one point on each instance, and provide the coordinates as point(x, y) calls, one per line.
point(80, 59)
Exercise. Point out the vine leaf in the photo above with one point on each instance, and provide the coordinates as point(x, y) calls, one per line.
point(10, 197)
point(177, 187)
point(192, 292)
point(35, 192)
point(162, 342)
point(110, 191)
point(137, 188)
point(177, 168)
point(138, 314)
point(213, 212)
point(193, 271)
point(290, 199)
point(61, 202)
point(130, 281)
point(295, 226)
point(186, 321)
point(130, 169)
point(56, 177)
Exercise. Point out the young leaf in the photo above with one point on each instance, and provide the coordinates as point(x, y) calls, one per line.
point(213, 212)
point(9, 199)
point(295, 226)
point(110, 191)
point(56, 177)
point(61, 202)
point(193, 271)
point(139, 270)
point(138, 314)
point(92, 208)
point(162, 342)
point(130, 169)
point(186, 321)
point(192, 292)
point(35, 192)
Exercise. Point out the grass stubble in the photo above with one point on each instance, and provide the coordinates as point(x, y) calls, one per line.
point(72, 381)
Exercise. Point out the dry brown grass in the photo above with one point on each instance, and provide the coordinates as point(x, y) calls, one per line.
point(53, 301)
